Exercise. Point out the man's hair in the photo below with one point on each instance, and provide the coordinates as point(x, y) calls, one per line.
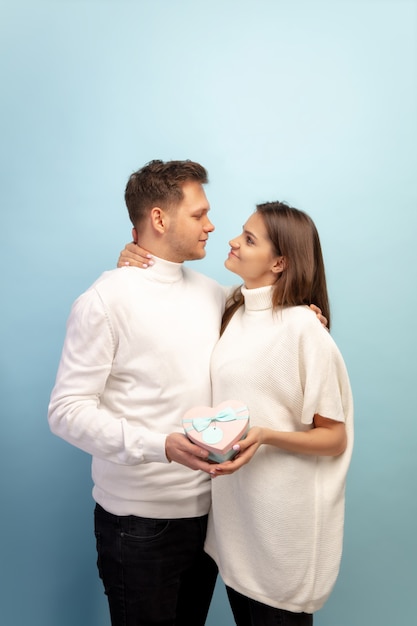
point(294, 236)
point(160, 184)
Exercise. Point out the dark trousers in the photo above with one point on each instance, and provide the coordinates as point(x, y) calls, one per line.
point(249, 612)
point(154, 571)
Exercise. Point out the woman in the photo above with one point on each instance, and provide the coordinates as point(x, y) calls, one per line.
point(276, 525)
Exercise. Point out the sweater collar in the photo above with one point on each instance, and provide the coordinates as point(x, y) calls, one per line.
point(165, 271)
point(259, 299)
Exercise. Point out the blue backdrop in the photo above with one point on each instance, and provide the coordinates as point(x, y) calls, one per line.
point(312, 102)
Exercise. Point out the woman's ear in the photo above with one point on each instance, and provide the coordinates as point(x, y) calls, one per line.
point(280, 265)
point(135, 235)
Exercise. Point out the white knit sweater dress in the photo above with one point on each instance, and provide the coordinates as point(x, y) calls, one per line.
point(276, 525)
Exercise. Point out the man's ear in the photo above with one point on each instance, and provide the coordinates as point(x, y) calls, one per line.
point(158, 219)
point(280, 265)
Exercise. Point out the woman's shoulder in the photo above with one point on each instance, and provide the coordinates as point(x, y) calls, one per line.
point(301, 314)
point(304, 322)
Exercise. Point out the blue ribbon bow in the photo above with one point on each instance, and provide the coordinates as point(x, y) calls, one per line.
point(225, 415)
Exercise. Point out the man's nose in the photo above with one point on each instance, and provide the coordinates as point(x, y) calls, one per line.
point(209, 226)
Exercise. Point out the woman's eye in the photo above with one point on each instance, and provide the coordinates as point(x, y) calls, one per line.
point(249, 240)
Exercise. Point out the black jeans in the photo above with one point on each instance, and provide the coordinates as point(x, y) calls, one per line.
point(249, 612)
point(154, 571)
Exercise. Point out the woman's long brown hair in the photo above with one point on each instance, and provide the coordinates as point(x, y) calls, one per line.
point(294, 236)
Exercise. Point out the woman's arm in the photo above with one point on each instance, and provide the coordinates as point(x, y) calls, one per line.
point(326, 438)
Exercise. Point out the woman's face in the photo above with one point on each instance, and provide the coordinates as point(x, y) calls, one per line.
point(252, 256)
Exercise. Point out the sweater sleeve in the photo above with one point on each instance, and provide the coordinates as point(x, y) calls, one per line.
point(324, 377)
point(75, 412)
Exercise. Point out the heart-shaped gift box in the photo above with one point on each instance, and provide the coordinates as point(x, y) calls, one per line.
point(218, 428)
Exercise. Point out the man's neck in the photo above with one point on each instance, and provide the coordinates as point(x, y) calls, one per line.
point(156, 248)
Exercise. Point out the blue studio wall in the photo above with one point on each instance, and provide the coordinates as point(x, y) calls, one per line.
point(310, 102)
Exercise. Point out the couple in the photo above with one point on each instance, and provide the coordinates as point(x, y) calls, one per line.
point(137, 356)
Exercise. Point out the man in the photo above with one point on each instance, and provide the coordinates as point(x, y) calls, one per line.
point(135, 358)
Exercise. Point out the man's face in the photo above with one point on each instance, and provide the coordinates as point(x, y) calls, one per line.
point(188, 225)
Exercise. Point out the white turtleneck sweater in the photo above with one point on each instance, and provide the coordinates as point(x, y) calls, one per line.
point(276, 526)
point(136, 357)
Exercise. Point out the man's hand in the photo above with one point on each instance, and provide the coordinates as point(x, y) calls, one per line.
point(323, 320)
point(180, 449)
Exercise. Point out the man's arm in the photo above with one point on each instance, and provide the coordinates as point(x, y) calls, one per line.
point(75, 412)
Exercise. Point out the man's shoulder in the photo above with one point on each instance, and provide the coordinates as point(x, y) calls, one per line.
point(107, 276)
point(112, 283)
point(118, 276)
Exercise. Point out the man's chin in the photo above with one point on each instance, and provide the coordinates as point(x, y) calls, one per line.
point(197, 256)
